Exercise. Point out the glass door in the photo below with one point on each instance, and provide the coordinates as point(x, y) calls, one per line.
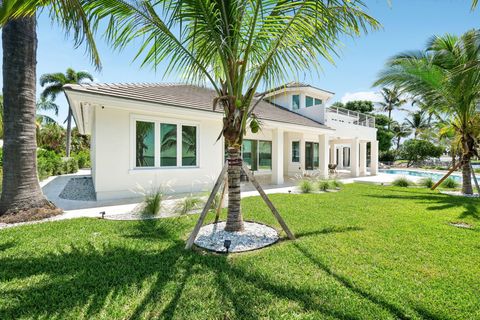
point(308, 155)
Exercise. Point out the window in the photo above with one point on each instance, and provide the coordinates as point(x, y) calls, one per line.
point(311, 155)
point(265, 155)
point(295, 102)
point(308, 101)
point(189, 146)
point(168, 145)
point(316, 158)
point(257, 155)
point(318, 102)
point(145, 144)
point(295, 151)
point(249, 153)
point(176, 145)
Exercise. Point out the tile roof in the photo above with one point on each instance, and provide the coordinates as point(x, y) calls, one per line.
point(294, 84)
point(186, 96)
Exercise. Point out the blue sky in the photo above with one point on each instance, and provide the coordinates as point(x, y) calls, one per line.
point(407, 24)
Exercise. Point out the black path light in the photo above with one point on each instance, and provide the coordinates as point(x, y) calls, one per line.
point(227, 244)
point(103, 214)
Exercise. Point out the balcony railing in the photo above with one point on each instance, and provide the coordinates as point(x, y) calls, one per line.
point(349, 116)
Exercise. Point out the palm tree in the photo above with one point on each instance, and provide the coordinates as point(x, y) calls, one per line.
point(46, 105)
point(21, 191)
point(54, 82)
point(234, 47)
point(1, 116)
point(417, 122)
point(392, 99)
point(447, 75)
point(400, 131)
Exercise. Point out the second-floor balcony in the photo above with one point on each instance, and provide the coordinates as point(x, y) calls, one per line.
point(348, 116)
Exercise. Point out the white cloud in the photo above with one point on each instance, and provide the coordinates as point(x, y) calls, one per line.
point(361, 95)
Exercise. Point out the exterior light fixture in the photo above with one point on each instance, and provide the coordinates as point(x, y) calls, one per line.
point(227, 244)
point(103, 214)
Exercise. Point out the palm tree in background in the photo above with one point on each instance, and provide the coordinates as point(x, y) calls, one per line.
point(1, 116)
point(22, 192)
point(234, 47)
point(392, 99)
point(53, 85)
point(400, 132)
point(417, 122)
point(447, 75)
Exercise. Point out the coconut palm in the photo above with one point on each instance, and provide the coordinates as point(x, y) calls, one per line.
point(447, 75)
point(1, 116)
point(417, 122)
point(54, 82)
point(45, 105)
point(392, 99)
point(234, 47)
point(400, 131)
point(22, 192)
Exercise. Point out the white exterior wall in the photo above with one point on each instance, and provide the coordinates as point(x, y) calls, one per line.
point(115, 173)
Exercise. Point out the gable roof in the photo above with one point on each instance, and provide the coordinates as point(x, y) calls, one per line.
point(294, 84)
point(186, 96)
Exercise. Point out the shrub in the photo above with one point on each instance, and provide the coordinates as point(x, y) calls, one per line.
point(450, 183)
point(427, 182)
point(188, 204)
point(418, 150)
point(402, 182)
point(387, 156)
point(306, 186)
point(83, 158)
point(336, 184)
point(69, 165)
point(323, 185)
point(48, 163)
point(152, 202)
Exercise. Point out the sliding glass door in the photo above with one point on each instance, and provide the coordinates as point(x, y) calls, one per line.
point(312, 155)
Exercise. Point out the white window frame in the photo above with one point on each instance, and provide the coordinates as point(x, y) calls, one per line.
point(157, 121)
point(299, 151)
point(258, 155)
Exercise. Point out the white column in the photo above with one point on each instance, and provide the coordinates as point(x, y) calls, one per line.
point(302, 153)
point(323, 156)
point(333, 154)
point(340, 158)
point(354, 154)
point(374, 158)
point(363, 158)
point(277, 156)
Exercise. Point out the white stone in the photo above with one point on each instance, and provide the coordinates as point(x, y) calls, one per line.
point(254, 236)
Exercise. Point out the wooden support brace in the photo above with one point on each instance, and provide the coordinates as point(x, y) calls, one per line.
point(447, 175)
point(220, 202)
point(268, 202)
point(475, 179)
point(207, 207)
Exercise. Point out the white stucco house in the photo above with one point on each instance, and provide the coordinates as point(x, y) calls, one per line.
point(167, 133)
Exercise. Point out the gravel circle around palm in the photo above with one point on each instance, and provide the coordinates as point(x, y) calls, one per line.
point(460, 194)
point(254, 236)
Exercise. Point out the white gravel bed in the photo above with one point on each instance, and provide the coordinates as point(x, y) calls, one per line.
point(80, 189)
point(254, 236)
point(460, 194)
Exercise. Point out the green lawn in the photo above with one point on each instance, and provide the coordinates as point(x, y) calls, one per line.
point(363, 253)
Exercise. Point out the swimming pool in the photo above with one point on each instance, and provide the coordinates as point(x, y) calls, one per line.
point(434, 175)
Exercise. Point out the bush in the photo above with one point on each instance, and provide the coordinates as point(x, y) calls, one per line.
point(427, 182)
point(188, 204)
point(336, 184)
point(1, 157)
point(69, 165)
point(387, 156)
point(402, 182)
point(323, 185)
point(83, 158)
point(419, 150)
point(306, 186)
point(450, 183)
point(152, 202)
point(48, 163)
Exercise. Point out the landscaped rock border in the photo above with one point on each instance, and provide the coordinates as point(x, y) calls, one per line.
point(254, 236)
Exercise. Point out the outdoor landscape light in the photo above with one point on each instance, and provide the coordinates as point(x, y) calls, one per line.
point(103, 214)
point(227, 244)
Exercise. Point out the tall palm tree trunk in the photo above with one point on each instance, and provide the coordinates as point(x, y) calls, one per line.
point(69, 132)
point(389, 118)
point(467, 187)
point(234, 217)
point(21, 190)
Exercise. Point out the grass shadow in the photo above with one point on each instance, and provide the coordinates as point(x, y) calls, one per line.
point(327, 230)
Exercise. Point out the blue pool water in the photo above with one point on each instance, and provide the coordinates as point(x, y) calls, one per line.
point(433, 175)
